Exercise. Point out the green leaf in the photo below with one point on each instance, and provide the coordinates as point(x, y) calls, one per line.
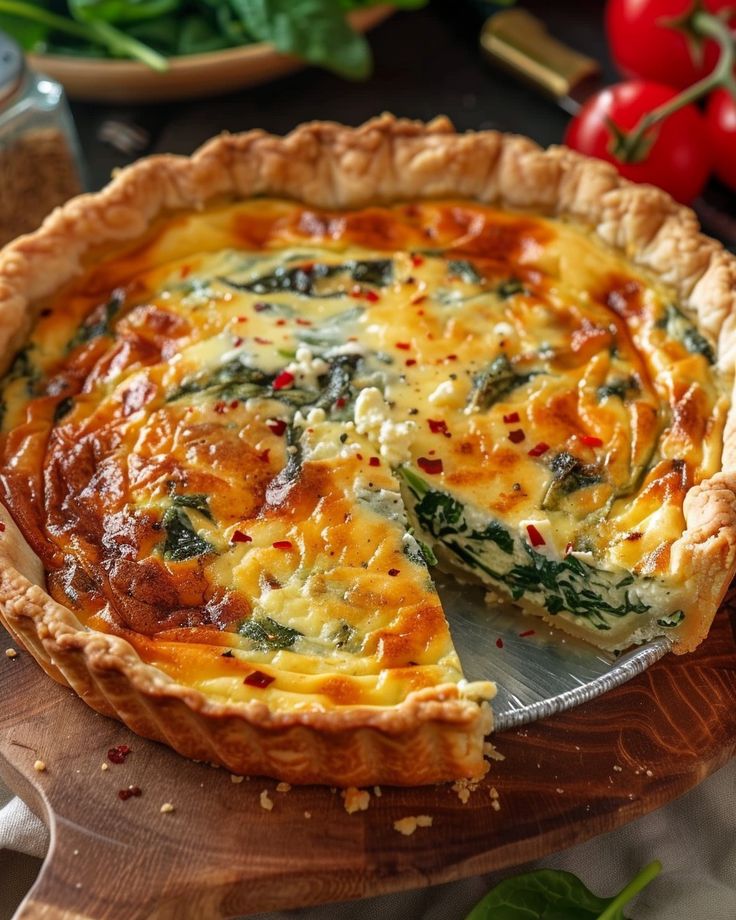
point(679, 327)
point(121, 11)
point(102, 323)
point(267, 635)
point(315, 30)
point(552, 894)
point(182, 541)
point(465, 270)
point(495, 382)
point(197, 500)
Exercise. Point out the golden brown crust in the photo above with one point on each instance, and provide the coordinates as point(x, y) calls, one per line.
point(430, 737)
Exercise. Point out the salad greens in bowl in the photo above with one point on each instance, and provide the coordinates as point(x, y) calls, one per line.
point(135, 39)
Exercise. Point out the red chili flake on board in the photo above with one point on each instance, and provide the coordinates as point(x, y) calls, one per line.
point(416, 261)
point(526, 633)
point(264, 456)
point(591, 441)
point(511, 418)
point(284, 379)
point(276, 425)
point(437, 426)
point(259, 679)
point(118, 754)
point(129, 793)
point(516, 436)
point(393, 572)
point(430, 466)
point(499, 642)
point(374, 461)
point(539, 449)
point(283, 544)
point(303, 322)
point(260, 341)
point(404, 346)
point(410, 362)
point(535, 537)
point(240, 537)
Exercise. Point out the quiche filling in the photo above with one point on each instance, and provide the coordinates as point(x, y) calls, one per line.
point(242, 444)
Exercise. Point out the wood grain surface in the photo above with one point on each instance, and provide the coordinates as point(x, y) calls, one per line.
point(219, 853)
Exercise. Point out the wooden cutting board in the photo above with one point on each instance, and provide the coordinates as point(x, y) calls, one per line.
point(219, 853)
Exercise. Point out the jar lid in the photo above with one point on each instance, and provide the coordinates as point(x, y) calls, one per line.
point(12, 65)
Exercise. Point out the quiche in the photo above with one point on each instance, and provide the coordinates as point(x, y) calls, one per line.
point(253, 398)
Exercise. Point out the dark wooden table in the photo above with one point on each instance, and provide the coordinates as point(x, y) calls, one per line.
point(426, 63)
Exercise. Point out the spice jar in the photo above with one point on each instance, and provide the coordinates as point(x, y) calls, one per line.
point(39, 152)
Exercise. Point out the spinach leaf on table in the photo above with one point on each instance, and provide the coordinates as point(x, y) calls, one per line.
point(552, 894)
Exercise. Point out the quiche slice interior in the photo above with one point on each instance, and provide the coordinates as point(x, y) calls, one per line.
point(237, 446)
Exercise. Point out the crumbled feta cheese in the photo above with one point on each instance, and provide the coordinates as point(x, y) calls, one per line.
point(307, 369)
point(446, 394)
point(392, 439)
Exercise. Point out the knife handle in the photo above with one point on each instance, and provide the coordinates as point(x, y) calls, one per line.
point(519, 43)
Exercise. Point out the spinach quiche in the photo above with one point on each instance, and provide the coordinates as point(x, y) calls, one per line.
point(254, 397)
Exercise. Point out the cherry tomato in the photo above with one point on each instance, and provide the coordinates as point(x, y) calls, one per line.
point(645, 43)
point(678, 159)
point(720, 117)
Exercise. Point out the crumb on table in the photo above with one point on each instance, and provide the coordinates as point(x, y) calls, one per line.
point(408, 825)
point(39, 766)
point(266, 801)
point(355, 799)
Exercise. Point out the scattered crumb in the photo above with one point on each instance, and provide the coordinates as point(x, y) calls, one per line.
point(39, 766)
point(355, 799)
point(617, 769)
point(495, 804)
point(283, 787)
point(11, 653)
point(559, 791)
point(491, 753)
point(463, 788)
point(266, 802)
point(236, 779)
point(377, 792)
point(75, 852)
point(307, 814)
point(407, 826)
point(493, 792)
point(166, 808)
point(104, 767)
point(649, 773)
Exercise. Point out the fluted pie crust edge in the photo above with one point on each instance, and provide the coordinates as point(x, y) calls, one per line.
point(435, 734)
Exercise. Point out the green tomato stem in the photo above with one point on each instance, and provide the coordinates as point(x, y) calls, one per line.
point(630, 145)
point(637, 884)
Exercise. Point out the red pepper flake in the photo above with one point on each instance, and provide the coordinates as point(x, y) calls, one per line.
point(2, 527)
point(241, 319)
point(437, 426)
point(430, 466)
point(260, 341)
point(371, 297)
point(259, 679)
point(284, 379)
point(240, 537)
point(591, 441)
point(264, 456)
point(418, 299)
point(451, 358)
point(374, 461)
point(410, 362)
point(631, 537)
point(516, 436)
point(276, 425)
point(185, 269)
point(283, 544)
point(359, 456)
point(535, 537)
point(511, 418)
point(568, 549)
point(499, 642)
point(526, 634)
point(237, 341)
point(220, 408)
point(280, 322)
point(129, 793)
point(261, 306)
point(303, 322)
point(416, 260)
point(234, 404)
point(539, 449)
point(118, 754)
point(340, 402)
point(404, 346)
point(393, 572)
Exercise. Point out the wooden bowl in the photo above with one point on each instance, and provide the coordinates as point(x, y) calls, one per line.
point(189, 77)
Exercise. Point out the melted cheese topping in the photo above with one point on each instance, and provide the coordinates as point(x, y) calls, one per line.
point(213, 440)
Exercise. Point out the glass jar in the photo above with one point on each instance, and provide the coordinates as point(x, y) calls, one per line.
point(40, 163)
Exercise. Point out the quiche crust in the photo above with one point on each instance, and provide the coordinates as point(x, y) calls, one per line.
point(434, 734)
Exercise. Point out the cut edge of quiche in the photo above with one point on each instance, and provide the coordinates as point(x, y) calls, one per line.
point(436, 733)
